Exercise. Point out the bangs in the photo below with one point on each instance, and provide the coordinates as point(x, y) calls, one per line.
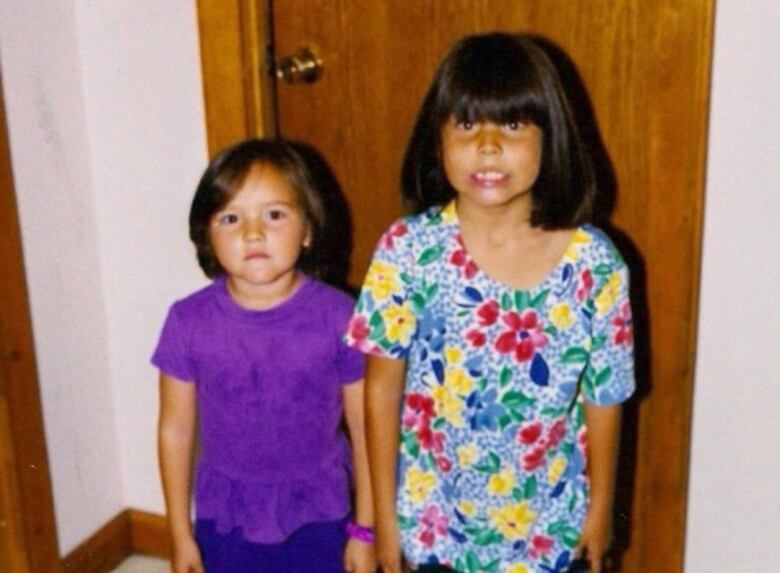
point(492, 80)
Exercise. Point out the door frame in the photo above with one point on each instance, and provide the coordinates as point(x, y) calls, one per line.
point(28, 534)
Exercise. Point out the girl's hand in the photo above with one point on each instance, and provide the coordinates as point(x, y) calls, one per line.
point(596, 538)
point(388, 545)
point(186, 557)
point(359, 557)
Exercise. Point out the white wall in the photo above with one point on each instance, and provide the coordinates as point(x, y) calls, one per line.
point(734, 499)
point(107, 139)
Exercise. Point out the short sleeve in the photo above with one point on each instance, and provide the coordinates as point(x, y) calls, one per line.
point(350, 362)
point(384, 320)
point(609, 376)
point(171, 355)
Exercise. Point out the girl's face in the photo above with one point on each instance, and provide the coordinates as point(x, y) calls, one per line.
point(258, 236)
point(491, 164)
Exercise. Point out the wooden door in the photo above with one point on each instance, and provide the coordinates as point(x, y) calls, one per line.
point(645, 67)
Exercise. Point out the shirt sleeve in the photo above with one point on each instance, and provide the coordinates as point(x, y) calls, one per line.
point(350, 362)
point(171, 355)
point(384, 321)
point(609, 375)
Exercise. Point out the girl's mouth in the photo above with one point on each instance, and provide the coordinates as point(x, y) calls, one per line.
point(489, 177)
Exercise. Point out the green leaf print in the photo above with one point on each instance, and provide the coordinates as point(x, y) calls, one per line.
point(516, 399)
point(517, 494)
point(405, 522)
point(522, 300)
point(506, 302)
point(570, 536)
point(504, 420)
point(484, 535)
point(472, 563)
point(597, 342)
point(492, 566)
point(492, 466)
point(504, 376)
point(418, 301)
point(538, 300)
point(431, 290)
point(429, 255)
point(529, 487)
point(575, 355)
point(603, 376)
point(602, 269)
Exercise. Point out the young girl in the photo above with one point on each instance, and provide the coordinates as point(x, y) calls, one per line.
point(498, 328)
point(258, 355)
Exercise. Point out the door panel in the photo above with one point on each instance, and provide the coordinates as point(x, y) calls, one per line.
point(645, 66)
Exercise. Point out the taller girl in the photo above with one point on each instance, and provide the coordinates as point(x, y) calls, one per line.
point(498, 328)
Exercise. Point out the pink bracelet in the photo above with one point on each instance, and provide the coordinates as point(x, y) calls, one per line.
point(359, 532)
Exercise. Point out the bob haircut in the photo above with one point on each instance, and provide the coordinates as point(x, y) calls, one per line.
point(224, 177)
point(502, 78)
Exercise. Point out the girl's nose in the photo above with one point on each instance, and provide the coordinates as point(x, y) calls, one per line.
point(489, 140)
point(253, 229)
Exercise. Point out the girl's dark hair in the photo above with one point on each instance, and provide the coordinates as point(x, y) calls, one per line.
point(225, 175)
point(501, 78)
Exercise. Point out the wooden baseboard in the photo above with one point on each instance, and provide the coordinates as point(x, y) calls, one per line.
point(131, 531)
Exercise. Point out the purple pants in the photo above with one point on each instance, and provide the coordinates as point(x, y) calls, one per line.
point(314, 548)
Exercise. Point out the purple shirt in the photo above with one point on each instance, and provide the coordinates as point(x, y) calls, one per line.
point(272, 453)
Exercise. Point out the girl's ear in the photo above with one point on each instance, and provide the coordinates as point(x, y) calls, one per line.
point(307, 238)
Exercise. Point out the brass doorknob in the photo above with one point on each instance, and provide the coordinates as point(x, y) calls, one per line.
point(303, 67)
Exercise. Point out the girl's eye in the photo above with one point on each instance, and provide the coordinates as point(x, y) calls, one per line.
point(227, 219)
point(276, 215)
point(465, 125)
point(513, 125)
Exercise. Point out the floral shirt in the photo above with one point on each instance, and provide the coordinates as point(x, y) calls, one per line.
point(491, 467)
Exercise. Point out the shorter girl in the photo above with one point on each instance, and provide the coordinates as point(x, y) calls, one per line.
point(498, 328)
point(258, 356)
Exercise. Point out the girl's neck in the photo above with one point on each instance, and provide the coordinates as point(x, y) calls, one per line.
point(262, 297)
point(509, 220)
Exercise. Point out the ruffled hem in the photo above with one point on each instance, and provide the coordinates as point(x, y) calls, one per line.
point(269, 512)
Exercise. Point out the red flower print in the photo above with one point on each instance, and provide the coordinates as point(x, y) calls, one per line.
point(487, 313)
point(444, 464)
point(529, 432)
point(540, 545)
point(358, 328)
point(584, 284)
point(432, 523)
point(533, 458)
point(460, 258)
point(525, 334)
point(555, 433)
point(624, 331)
point(430, 440)
point(418, 411)
point(398, 229)
point(476, 338)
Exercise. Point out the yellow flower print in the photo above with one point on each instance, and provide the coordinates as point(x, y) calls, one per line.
point(502, 482)
point(447, 405)
point(466, 454)
point(458, 380)
point(399, 323)
point(449, 213)
point(419, 484)
point(512, 520)
point(382, 279)
point(452, 354)
point(556, 469)
point(580, 237)
point(518, 568)
point(467, 507)
point(561, 315)
point(606, 298)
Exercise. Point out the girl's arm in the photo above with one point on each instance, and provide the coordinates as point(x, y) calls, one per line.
point(603, 427)
point(176, 435)
point(359, 555)
point(384, 388)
